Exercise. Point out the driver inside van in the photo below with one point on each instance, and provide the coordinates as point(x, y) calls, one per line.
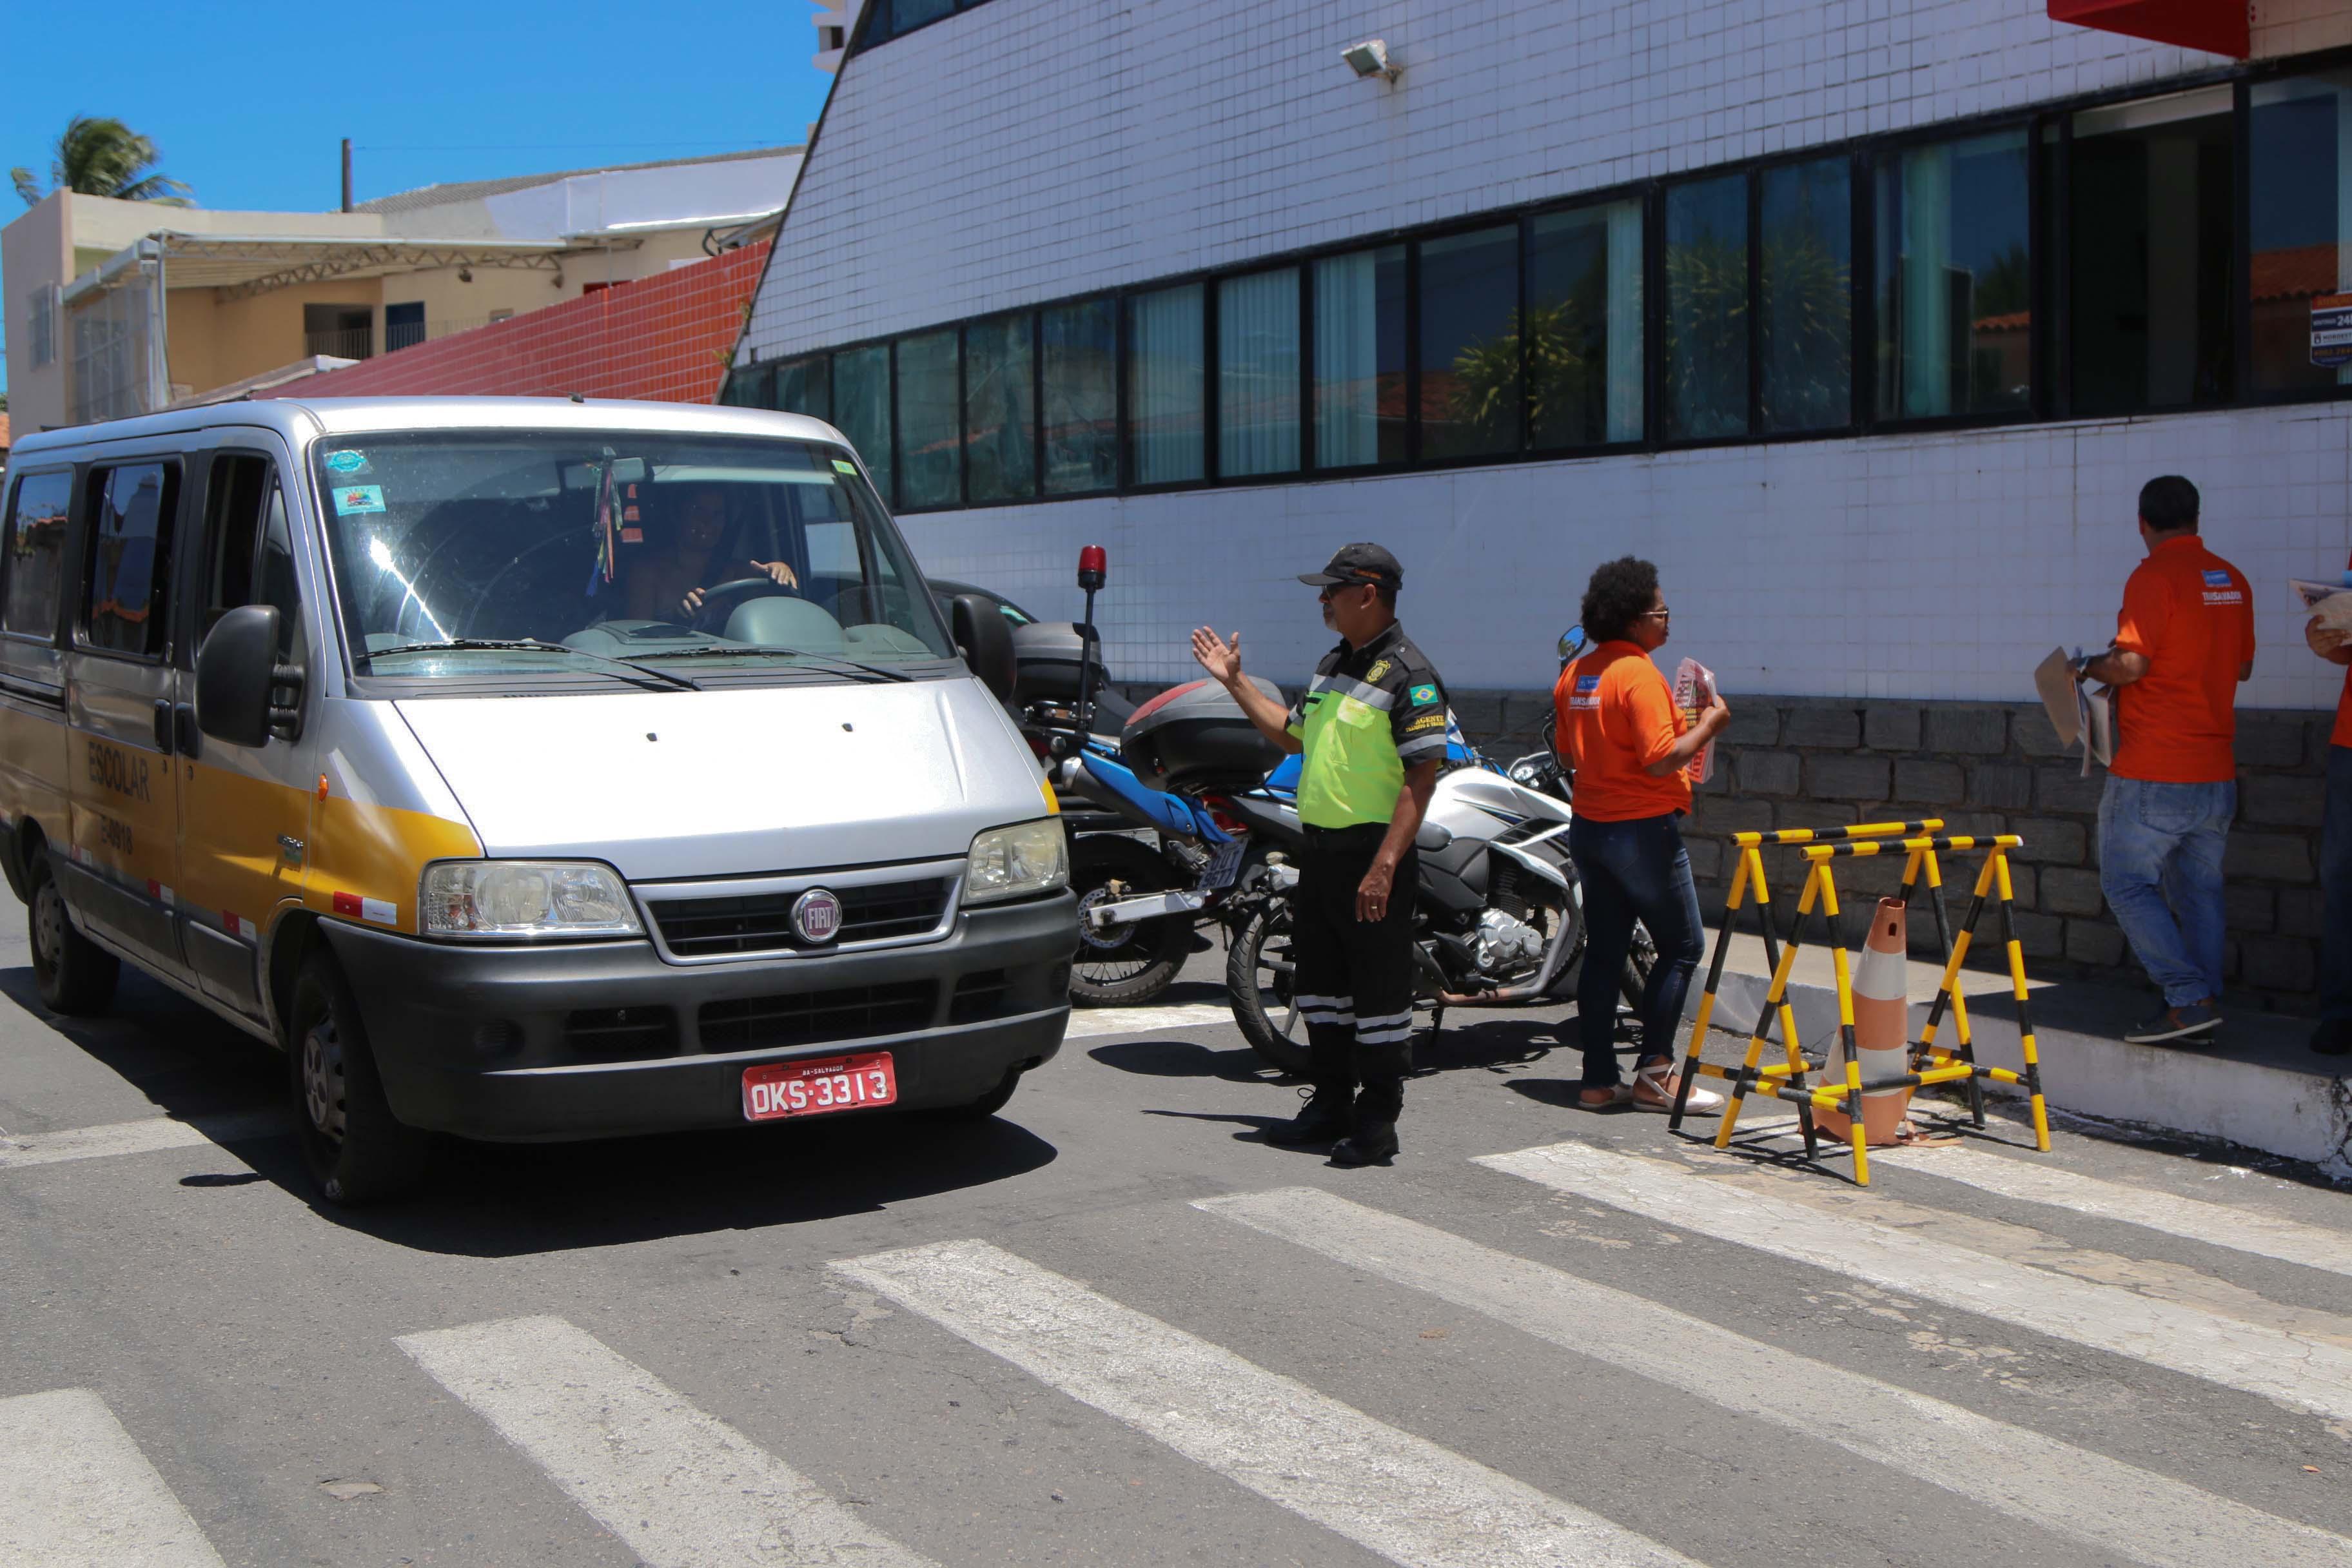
point(664, 583)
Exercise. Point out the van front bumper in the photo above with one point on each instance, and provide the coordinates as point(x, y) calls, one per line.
point(602, 1039)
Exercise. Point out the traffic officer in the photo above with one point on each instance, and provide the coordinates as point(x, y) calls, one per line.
point(1372, 726)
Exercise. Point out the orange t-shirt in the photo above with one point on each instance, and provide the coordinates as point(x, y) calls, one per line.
point(2343, 735)
point(2191, 616)
point(1616, 716)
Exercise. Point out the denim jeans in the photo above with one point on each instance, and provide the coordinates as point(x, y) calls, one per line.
point(2335, 889)
point(2160, 866)
point(1633, 871)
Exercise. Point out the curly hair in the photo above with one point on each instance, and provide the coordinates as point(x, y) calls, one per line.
point(1618, 595)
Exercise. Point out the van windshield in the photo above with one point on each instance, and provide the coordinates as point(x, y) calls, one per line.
point(514, 552)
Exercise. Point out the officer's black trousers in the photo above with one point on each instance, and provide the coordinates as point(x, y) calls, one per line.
point(1354, 978)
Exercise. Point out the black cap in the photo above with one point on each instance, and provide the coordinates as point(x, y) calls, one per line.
point(1356, 565)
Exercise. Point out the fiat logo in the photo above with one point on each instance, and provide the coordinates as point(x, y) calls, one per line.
point(816, 915)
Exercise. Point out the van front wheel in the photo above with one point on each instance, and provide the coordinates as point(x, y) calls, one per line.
point(357, 1152)
point(74, 974)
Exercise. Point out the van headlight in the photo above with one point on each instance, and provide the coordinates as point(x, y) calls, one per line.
point(522, 900)
point(1013, 862)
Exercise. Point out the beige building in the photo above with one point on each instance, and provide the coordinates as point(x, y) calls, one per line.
point(119, 307)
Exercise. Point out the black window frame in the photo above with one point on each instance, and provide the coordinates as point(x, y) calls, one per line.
point(2050, 392)
point(164, 566)
point(17, 476)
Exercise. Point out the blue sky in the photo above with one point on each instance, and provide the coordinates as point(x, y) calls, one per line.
point(248, 102)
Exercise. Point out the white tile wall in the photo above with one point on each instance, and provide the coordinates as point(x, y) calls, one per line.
point(1032, 149)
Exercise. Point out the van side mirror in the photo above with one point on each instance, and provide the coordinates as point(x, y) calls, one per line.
point(239, 680)
point(985, 641)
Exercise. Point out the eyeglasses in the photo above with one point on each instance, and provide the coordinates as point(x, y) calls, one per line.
point(1660, 615)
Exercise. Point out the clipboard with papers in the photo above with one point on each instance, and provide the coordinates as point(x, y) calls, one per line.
point(2076, 712)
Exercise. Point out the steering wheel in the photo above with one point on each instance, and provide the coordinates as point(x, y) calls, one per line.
point(719, 603)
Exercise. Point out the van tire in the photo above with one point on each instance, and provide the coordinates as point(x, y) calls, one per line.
point(75, 977)
point(356, 1151)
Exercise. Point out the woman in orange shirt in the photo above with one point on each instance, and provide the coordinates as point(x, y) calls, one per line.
point(1620, 730)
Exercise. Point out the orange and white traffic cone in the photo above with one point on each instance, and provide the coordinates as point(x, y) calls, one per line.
point(1881, 1028)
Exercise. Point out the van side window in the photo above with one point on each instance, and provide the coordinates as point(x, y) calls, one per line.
point(35, 549)
point(248, 550)
point(129, 562)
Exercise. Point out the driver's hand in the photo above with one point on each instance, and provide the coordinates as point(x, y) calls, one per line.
point(779, 572)
point(692, 602)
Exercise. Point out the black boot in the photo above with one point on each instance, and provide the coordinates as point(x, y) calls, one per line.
point(1374, 1141)
point(1326, 1115)
point(1328, 1112)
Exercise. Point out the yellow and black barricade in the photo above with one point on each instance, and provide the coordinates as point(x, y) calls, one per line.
point(1792, 1079)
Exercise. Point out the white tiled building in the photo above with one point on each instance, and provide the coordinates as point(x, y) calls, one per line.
point(1915, 499)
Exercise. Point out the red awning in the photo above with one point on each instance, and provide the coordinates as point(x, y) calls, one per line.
point(2217, 27)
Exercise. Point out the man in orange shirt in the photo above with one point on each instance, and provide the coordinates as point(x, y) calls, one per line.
point(2184, 640)
point(2334, 1037)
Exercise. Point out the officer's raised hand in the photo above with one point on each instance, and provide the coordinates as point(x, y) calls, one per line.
point(1221, 658)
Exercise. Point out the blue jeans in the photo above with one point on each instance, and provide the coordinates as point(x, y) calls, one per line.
point(1633, 871)
point(2335, 889)
point(2160, 866)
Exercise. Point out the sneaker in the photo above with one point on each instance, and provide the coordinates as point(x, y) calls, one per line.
point(2332, 1038)
point(2173, 1024)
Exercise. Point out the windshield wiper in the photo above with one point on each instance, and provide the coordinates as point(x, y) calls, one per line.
point(639, 675)
point(715, 650)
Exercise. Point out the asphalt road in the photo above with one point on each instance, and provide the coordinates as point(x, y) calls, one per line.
point(1112, 1326)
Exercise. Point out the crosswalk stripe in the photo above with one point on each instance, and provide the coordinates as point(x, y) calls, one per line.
point(140, 1136)
point(75, 1489)
point(1393, 1493)
point(1087, 1021)
point(2113, 1506)
point(2305, 1370)
point(2216, 1225)
point(682, 1488)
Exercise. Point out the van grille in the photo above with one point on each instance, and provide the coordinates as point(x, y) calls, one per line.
point(762, 922)
point(812, 1018)
point(619, 1033)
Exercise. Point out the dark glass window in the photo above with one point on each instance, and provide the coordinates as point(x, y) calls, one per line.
point(2299, 206)
point(1955, 270)
point(804, 386)
point(2149, 245)
point(35, 548)
point(930, 441)
point(1706, 309)
point(748, 386)
point(1805, 296)
point(1166, 337)
point(249, 557)
point(1584, 326)
point(861, 410)
point(1359, 341)
point(1470, 344)
point(1080, 349)
point(1000, 410)
point(906, 14)
point(129, 556)
point(1257, 373)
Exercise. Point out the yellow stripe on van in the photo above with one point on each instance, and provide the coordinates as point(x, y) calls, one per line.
point(379, 852)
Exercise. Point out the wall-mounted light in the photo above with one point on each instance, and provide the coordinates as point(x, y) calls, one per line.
point(1370, 58)
point(465, 275)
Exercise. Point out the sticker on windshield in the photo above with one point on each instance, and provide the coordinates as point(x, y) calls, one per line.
point(350, 499)
point(843, 466)
point(348, 462)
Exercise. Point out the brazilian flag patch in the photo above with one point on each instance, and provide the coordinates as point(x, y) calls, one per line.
point(1423, 694)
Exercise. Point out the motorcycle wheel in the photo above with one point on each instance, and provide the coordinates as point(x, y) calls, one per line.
point(1126, 964)
point(1259, 983)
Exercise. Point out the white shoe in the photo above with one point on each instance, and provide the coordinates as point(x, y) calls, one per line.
point(1658, 1078)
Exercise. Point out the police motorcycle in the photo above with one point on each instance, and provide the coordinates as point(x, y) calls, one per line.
point(1152, 856)
point(1498, 916)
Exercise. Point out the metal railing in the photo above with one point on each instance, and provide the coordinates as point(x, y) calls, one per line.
point(350, 342)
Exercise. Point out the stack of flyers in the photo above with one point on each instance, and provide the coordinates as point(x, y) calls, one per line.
point(1694, 694)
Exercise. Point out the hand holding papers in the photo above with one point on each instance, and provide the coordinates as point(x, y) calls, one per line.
point(2331, 602)
point(2075, 711)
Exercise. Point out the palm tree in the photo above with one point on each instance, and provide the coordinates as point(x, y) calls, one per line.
point(104, 157)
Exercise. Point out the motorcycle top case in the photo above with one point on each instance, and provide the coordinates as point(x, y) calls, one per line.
point(1045, 655)
point(1195, 737)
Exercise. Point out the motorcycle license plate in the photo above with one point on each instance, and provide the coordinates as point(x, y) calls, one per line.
point(814, 1088)
point(1222, 868)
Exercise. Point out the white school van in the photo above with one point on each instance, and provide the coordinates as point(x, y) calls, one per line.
point(525, 769)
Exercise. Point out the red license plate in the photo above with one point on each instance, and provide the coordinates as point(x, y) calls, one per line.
point(814, 1088)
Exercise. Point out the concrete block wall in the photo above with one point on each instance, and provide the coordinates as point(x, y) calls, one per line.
point(1991, 767)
